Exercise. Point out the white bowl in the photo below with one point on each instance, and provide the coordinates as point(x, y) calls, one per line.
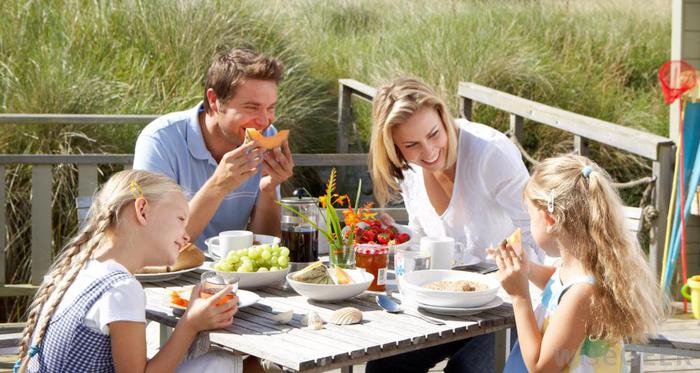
point(331, 292)
point(252, 280)
point(412, 285)
point(399, 227)
point(258, 239)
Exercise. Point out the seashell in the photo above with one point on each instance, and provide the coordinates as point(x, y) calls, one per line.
point(346, 316)
point(314, 321)
point(283, 317)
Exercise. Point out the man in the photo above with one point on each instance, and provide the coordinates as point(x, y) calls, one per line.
point(232, 185)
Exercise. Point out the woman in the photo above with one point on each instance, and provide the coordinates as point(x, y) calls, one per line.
point(457, 179)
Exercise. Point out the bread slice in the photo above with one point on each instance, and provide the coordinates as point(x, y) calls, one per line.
point(190, 256)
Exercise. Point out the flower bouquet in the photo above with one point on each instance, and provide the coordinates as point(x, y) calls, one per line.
point(341, 251)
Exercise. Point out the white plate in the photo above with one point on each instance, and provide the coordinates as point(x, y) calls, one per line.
point(471, 261)
point(252, 280)
point(461, 311)
point(245, 298)
point(213, 244)
point(165, 276)
point(412, 284)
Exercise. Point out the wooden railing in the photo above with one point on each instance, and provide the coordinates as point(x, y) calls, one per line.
point(658, 149)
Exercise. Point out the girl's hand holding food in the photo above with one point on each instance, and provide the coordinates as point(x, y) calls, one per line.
point(215, 312)
point(512, 270)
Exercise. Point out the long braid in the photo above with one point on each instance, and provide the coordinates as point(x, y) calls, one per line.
point(85, 243)
point(122, 188)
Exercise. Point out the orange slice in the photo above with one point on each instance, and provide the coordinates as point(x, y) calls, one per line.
point(270, 142)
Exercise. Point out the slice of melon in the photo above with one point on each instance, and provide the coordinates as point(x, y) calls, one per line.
point(515, 240)
point(270, 142)
point(342, 276)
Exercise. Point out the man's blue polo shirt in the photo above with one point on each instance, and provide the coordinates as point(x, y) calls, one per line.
point(173, 145)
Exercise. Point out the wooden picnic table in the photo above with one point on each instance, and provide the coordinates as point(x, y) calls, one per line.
point(297, 348)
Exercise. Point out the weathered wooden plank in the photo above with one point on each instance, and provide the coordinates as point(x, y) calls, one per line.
point(691, 44)
point(662, 170)
point(345, 118)
point(359, 89)
point(691, 17)
point(17, 290)
point(321, 159)
point(96, 119)
point(3, 203)
point(41, 222)
point(517, 127)
point(399, 214)
point(87, 180)
point(87, 185)
point(631, 140)
point(466, 108)
point(581, 146)
point(79, 159)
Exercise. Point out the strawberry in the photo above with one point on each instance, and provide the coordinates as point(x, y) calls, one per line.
point(402, 237)
point(367, 237)
point(392, 229)
point(383, 238)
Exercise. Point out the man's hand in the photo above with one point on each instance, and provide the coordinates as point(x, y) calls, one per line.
point(278, 166)
point(237, 166)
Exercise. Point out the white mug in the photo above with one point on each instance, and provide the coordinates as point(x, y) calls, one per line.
point(441, 251)
point(234, 240)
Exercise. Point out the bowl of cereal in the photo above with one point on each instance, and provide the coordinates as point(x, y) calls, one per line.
point(446, 288)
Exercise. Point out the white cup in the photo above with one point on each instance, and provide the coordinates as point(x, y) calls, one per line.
point(441, 251)
point(234, 240)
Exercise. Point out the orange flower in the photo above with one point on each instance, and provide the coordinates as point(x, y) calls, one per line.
point(351, 218)
point(342, 199)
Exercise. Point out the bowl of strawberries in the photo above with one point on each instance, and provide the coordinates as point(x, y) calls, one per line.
point(376, 234)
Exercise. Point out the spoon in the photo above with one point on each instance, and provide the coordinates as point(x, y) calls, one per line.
point(390, 306)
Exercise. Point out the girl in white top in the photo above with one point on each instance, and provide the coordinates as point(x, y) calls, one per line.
point(89, 313)
point(457, 179)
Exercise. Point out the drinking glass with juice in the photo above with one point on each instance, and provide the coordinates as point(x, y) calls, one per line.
point(212, 283)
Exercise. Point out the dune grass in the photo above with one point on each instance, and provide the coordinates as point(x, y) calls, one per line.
point(593, 57)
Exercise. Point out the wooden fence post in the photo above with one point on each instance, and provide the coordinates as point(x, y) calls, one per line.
point(581, 146)
point(465, 108)
point(344, 118)
point(662, 170)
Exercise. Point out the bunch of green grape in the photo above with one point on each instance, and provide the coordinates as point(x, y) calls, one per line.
point(257, 258)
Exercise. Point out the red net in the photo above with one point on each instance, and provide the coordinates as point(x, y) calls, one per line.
point(676, 78)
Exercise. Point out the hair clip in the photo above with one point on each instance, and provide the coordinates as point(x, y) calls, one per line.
point(586, 171)
point(136, 190)
point(550, 202)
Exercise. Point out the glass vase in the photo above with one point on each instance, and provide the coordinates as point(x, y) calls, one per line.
point(342, 256)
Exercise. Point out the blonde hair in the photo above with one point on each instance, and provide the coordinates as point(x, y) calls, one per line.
point(393, 105)
point(118, 192)
point(627, 302)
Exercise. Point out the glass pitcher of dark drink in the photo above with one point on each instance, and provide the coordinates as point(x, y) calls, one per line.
point(298, 235)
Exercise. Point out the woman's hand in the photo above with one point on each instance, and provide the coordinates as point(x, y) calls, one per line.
point(386, 219)
point(211, 313)
point(512, 270)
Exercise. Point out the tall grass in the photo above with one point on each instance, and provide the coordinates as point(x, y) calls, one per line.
point(592, 57)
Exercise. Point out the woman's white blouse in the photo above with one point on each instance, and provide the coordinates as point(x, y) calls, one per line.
point(486, 204)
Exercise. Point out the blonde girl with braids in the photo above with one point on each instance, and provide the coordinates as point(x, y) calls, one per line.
point(89, 313)
point(600, 294)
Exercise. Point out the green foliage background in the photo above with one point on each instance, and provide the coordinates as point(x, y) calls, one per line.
point(594, 57)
